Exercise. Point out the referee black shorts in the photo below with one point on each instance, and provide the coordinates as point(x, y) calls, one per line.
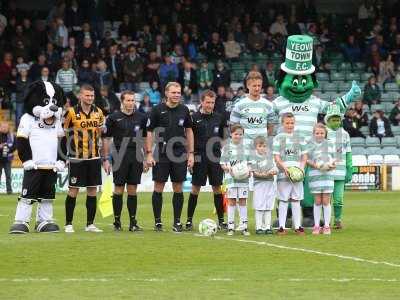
point(39, 184)
point(84, 172)
point(204, 168)
point(165, 168)
point(128, 171)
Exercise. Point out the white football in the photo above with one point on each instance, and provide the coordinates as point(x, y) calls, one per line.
point(208, 227)
point(240, 171)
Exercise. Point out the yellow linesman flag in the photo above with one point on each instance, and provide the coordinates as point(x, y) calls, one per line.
point(105, 202)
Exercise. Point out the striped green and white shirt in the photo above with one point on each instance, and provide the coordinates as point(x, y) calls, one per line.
point(322, 152)
point(262, 163)
point(290, 147)
point(305, 113)
point(231, 155)
point(341, 140)
point(254, 116)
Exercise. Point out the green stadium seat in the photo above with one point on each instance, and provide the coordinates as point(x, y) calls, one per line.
point(352, 76)
point(391, 87)
point(373, 150)
point(325, 97)
point(388, 107)
point(375, 107)
point(357, 142)
point(395, 130)
point(238, 66)
point(359, 151)
point(359, 67)
point(397, 140)
point(344, 87)
point(329, 87)
point(322, 76)
point(389, 150)
point(364, 130)
point(389, 142)
point(372, 141)
point(366, 108)
point(365, 76)
point(387, 97)
point(344, 66)
point(337, 76)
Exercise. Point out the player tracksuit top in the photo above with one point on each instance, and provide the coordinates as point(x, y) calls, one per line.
point(208, 131)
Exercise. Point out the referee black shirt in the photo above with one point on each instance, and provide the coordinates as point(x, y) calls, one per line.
point(172, 122)
point(120, 125)
point(205, 127)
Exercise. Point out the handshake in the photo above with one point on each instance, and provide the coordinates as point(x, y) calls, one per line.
point(58, 166)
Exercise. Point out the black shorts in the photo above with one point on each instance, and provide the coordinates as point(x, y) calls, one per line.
point(205, 168)
point(128, 171)
point(166, 168)
point(39, 184)
point(84, 173)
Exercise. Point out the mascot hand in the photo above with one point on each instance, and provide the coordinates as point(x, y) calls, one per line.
point(29, 165)
point(59, 166)
point(354, 93)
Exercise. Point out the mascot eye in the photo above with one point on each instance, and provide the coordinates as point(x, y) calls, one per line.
point(303, 81)
point(295, 82)
point(54, 101)
point(46, 101)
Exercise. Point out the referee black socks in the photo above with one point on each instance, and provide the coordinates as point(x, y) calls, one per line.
point(157, 201)
point(177, 203)
point(219, 206)
point(117, 206)
point(131, 203)
point(70, 203)
point(91, 203)
point(192, 203)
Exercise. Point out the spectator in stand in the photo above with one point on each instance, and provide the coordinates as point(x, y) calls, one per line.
point(240, 37)
point(126, 28)
point(87, 51)
point(360, 114)
point(146, 105)
point(45, 74)
point(168, 71)
point(152, 68)
point(133, 69)
point(103, 77)
point(205, 76)
point(86, 33)
point(269, 74)
point(386, 70)
point(215, 48)
point(351, 49)
point(123, 45)
point(159, 46)
point(74, 18)
point(293, 27)
point(270, 93)
point(320, 60)
point(21, 86)
point(107, 41)
point(395, 49)
point(374, 59)
point(189, 48)
point(85, 73)
point(7, 147)
point(5, 69)
point(394, 116)
point(365, 14)
point(177, 55)
point(72, 45)
point(256, 39)
point(114, 65)
point(61, 34)
point(232, 48)
point(107, 101)
point(141, 48)
point(154, 93)
point(188, 81)
point(221, 76)
point(36, 69)
point(351, 124)
point(52, 57)
point(66, 77)
point(372, 92)
point(278, 26)
point(380, 125)
point(220, 101)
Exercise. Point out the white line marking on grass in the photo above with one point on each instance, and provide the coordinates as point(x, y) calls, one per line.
point(346, 257)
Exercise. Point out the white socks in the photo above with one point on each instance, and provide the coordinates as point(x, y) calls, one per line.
point(267, 219)
point(317, 214)
point(243, 215)
point(283, 206)
point(296, 214)
point(231, 216)
point(259, 215)
point(327, 214)
point(263, 219)
point(24, 211)
point(44, 211)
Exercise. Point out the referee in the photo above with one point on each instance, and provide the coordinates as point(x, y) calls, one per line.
point(170, 126)
point(209, 129)
point(83, 124)
point(127, 128)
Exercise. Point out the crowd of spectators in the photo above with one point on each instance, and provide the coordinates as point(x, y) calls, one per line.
point(191, 42)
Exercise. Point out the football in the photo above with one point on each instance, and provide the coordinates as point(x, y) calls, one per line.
point(240, 171)
point(296, 174)
point(208, 227)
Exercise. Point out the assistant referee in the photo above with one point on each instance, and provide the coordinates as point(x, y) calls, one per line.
point(127, 128)
point(209, 129)
point(170, 126)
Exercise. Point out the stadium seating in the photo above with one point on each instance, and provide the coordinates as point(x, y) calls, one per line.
point(375, 107)
point(337, 76)
point(352, 76)
point(395, 130)
point(391, 87)
point(391, 159)
point(322, 76)
point(359, 151)
point(373, 150)
point(357, 142)
point(359, 160)
point(372, 141)
point(375, 159)
point(389, 142)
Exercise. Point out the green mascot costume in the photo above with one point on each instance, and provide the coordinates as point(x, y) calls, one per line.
point(296, 83)
point(343, 172)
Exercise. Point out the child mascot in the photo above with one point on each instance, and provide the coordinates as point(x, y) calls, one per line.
point(296, 83)
point(38, 139)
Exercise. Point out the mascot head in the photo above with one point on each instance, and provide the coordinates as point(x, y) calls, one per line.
point(44, 100)
point(333, 117)
point(296, 80)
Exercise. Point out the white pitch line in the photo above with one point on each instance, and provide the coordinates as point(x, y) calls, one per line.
point(346, 257)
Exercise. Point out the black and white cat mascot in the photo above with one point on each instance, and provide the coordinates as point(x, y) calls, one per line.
point(38, 138)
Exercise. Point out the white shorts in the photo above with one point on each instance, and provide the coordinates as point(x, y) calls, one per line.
point(289, 190)
point(238, 192)
point(264, 195)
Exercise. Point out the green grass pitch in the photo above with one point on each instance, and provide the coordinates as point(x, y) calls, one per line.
point(360, 262)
